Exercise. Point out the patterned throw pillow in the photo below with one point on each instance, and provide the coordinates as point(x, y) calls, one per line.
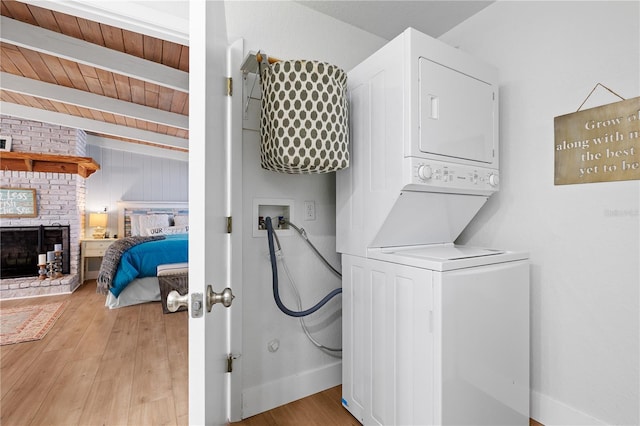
point(168, 230)
point(304, 124)
point(152, 221)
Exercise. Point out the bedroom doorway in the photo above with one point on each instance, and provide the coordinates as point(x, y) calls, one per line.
point(214, 194)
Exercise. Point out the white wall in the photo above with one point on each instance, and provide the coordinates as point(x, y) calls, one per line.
point(583, 239)
point(288, 30)
point(131, 176)
point(147, 175)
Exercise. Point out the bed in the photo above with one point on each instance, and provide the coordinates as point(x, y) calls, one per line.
point(155, 233)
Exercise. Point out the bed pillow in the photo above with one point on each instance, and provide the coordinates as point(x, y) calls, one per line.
point(153, 221)
point(135, 224)
point(181, 220)
point(168, 230)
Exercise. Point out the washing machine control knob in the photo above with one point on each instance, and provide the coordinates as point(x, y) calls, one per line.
point(425, 172)
point(494, 180)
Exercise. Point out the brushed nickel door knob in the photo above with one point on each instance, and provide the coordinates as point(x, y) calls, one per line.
point(226, 297)
point(175, 300)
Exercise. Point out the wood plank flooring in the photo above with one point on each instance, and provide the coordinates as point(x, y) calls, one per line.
point(111, 367)
point(321, 409)
point(98, 366)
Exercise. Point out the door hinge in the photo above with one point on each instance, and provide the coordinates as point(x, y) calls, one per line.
point(230, 359)
point(229, 86)
point(229, 224)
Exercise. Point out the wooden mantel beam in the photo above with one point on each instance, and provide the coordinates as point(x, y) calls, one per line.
point(30, 162)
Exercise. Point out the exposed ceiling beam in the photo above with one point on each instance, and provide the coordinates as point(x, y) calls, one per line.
point(39, 89)
point(137, 148)
point(90, 125)
point(166, 20)
point(73, 49)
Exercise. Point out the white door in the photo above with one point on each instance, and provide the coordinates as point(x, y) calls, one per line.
point(209, 205)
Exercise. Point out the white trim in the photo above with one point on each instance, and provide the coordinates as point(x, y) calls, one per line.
point(67, 95)
point(234, 128)
point(70, 48)
point(137, 148)
point(259, 399)
point(133, 16)
point(36, 114)
point(549, 411)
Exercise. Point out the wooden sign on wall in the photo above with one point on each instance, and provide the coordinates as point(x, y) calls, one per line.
point(17, 202)
point(600, 144)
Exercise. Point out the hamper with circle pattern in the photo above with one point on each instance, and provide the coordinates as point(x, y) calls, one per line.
point(304, 124)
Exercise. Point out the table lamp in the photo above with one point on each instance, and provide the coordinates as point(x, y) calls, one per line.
point(99, 221)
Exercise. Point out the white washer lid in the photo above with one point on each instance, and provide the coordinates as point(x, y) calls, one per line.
point(447, 252)
point(434, 218)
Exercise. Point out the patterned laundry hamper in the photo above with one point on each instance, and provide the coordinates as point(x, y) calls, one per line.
point(304, 123)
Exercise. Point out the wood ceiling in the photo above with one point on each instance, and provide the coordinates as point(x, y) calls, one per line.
point(113, 82)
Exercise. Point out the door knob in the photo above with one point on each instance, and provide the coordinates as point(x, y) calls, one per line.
point(226, 297)
point(175, 300)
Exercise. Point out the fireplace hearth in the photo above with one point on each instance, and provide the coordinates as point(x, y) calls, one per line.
point(60, 197)
point(20, 246)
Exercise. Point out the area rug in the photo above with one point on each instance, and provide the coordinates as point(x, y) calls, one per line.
point(28, 323)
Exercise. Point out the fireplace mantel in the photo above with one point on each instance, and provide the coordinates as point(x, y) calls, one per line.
point(32, 162)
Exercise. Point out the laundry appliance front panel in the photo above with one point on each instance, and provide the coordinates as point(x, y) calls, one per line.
point(433, 333)
point(397, 146)
point(424, 347)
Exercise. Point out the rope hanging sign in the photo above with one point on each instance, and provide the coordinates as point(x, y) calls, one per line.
point(600, 144)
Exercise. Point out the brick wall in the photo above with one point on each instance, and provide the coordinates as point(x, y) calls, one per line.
point(60, 196)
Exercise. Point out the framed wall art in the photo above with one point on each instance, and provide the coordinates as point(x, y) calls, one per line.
point(18, 202)
point(5, 143)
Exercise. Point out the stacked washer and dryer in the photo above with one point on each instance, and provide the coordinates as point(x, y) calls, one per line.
point(433, 332)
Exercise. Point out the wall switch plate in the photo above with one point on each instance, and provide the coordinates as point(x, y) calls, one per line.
point(309, 210)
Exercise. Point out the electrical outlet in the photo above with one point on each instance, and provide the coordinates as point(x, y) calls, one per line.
point(309, 210)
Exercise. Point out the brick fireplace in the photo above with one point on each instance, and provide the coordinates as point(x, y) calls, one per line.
point(60, 198)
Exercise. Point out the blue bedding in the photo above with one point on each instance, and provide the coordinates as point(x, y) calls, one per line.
point(142, 260)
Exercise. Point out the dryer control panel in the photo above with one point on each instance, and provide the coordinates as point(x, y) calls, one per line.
point(433, 175)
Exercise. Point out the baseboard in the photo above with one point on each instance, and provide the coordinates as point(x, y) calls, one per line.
point(549, 411)
point(259, 399)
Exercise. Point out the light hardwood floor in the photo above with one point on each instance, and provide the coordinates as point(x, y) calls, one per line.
point(98, 366)
point(111, 367)
point(321, 409)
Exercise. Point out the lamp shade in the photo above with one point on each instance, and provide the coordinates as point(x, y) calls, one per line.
point(98, 219)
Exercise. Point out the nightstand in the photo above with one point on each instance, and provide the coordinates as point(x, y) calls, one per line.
point(92, 248)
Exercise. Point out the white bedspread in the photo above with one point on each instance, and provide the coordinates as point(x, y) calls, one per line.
point(140, 290)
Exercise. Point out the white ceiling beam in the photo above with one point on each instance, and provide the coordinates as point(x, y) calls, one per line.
point(166, 20)
point(137, 148)
point(40, 89)
point(56, 44)
point(90, 125)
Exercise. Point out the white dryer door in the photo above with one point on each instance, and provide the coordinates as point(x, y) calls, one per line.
point(457, 114)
